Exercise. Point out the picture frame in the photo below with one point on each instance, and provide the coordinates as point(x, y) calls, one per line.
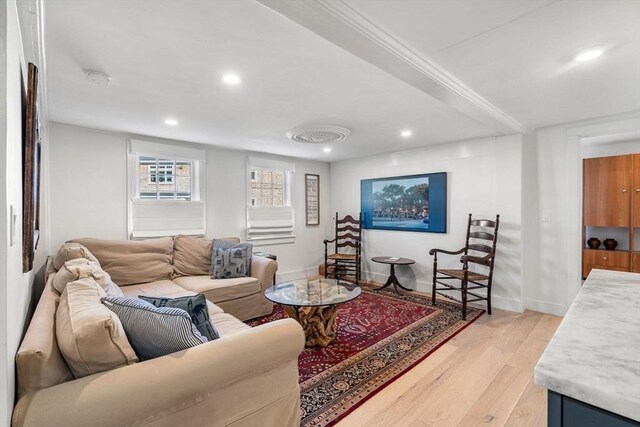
point(405, 203)
point(312, 198)
point(31, 154)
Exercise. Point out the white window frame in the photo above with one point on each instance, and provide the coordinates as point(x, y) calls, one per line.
point(148, 218)
point(269, 225)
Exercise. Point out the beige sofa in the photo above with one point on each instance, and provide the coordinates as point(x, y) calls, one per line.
point(247, 377)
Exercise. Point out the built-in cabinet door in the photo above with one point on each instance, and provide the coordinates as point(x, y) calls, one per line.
point(604, 260)
point(635, 265)
point(635, 193)
point(607, 191)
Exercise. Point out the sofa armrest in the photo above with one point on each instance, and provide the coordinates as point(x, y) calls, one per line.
point(192, 380)
point(263, 269)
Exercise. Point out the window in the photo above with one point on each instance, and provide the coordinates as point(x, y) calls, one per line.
point(164, 179)
point(268, 187)
point(270, 213)
point(165, 194)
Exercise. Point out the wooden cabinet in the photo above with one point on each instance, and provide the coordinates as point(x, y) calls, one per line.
point(635, 192)
point(635, 262)
point(611, 198)
point(607, 191)
point(605, 260)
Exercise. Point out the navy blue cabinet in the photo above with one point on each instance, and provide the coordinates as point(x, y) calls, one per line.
point(564, 411)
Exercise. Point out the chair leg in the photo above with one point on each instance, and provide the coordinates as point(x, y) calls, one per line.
point(489, 299)
point(464, 296)
point(433, 289)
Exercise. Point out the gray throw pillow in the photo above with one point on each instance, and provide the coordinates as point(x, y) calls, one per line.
point(195, 305)
point(154, 331)
point(228, 244)
point(229, 263)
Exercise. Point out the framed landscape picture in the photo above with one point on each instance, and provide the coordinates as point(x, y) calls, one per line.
point(405, 203)
point(312, 198)
point(31, 152)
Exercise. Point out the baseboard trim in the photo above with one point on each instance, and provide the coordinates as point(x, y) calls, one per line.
point(287, 276)
point(545, 307)
point(503, 303)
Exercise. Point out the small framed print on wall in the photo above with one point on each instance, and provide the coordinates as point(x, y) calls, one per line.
point(312, 198)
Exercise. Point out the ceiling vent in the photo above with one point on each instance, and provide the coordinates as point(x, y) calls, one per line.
point(318, 134)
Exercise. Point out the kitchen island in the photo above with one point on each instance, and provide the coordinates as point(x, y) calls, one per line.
point(591, 366)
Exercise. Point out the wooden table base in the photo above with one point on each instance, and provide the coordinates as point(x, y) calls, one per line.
point(318, 323)
point(393, 280)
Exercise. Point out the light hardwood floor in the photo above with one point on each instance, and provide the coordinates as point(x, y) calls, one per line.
point(481, 377)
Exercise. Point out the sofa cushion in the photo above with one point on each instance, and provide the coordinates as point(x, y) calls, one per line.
point(90, 336)
point(39, 363)
point(195, 305)
point(220, 290)
point(191, 256)
point(233, 244)
point(80, 268)
point(227, 325)
point(154, 331)
point(165, 288)
point(132, 261)
point(229, 263)
point(69, 251)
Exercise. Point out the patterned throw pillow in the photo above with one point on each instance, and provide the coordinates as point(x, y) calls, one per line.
point(229, 263)
point(154, 331)
point(229, 244)
point(195, 305)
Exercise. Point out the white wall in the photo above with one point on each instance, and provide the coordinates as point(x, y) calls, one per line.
point(613, 149)
point(484, 178)
point(552, 185)
point(89, 195)
point(15, 287)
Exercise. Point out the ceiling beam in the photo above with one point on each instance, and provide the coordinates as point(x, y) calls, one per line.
point(346, 27)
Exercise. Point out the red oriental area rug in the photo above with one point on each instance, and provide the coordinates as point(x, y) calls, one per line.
point(380, 336)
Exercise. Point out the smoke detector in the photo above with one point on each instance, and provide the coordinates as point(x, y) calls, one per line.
point(97, 77)
point(318, 134)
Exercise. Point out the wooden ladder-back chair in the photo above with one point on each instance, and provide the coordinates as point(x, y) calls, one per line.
point(346, 259)
point(477, 230)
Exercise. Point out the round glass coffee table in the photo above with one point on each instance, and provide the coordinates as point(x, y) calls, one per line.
point(314, 304)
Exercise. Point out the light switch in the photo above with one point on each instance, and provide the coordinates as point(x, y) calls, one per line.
point(13, 217)
point(546, 216)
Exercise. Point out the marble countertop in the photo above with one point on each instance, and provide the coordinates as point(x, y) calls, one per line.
point(594, 355)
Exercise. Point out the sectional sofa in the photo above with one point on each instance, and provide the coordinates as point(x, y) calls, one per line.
point(247, 377)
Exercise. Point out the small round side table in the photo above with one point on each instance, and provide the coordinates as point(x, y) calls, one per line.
point(393, 261)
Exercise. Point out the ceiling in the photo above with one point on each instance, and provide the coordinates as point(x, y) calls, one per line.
point(483, 67)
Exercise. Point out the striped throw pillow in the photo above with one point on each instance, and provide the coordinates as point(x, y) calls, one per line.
point(154, 331)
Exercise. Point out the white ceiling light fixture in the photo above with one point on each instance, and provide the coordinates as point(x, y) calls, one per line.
point(406, 133)
point(588, 54)
point(231, 79)
point(326, 149)
point(318, 134)
point(97, 77)
point(171, 122)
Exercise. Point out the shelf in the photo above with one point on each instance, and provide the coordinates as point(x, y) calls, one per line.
point(607, 250)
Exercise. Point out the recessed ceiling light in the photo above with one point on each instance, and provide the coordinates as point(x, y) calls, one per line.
point(406, 133)
point(588, 55)
point(231, 79)
point(171, 122)
point(327, 149)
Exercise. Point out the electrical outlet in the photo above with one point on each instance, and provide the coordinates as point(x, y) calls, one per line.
point(546, 216)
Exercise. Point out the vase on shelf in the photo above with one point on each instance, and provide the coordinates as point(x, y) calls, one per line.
point(594, 243)
point(610, 244)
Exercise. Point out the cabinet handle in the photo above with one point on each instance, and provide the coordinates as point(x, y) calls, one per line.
point(604, 257)
point(637, 190)
point(624, 191)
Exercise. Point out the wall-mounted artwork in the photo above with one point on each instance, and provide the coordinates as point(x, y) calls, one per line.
point(405, 203)
point(31, 153)
point(312, 198)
